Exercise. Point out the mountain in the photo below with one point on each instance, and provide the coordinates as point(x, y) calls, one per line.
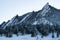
point(3, 24)
point(47, 15)
point(43, 22)
point(13, 21)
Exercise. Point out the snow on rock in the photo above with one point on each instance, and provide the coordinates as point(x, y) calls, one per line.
point(12, 21)
point(35, 23)
point(24, 18)
point(42, 20)
point(45, 9)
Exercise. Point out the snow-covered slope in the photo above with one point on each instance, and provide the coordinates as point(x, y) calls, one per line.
point(28, 37)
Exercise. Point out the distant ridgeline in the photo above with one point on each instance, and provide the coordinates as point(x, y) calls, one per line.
point(42, 22)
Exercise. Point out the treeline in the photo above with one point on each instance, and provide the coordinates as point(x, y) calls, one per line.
point(43, 30)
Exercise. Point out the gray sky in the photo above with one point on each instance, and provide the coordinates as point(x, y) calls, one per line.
point(10, 8)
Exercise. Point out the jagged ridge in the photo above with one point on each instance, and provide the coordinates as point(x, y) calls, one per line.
point(46, 20)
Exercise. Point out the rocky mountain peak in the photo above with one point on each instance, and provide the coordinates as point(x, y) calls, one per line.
point(45, 9)
point(46, 6)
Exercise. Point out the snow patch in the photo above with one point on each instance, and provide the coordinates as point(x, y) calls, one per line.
point(42, 20)
point(35, 23)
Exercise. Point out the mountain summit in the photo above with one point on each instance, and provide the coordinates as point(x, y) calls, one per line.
point(45, 9)
point(47, 15)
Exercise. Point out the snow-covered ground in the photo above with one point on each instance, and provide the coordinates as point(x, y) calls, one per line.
point(28, 37)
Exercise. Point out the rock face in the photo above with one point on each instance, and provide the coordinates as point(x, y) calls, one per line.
point(44, 22)
point(47, 15)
